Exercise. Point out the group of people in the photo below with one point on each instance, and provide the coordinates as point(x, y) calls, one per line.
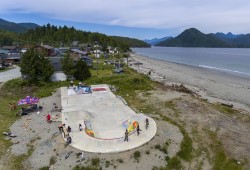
point(62, 128)
point(137, 130)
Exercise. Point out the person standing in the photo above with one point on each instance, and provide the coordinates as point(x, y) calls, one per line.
point(69, 129)
point(65, 132)
point(126, 136)
point(48, 118)
point(10, 107)
point(138, 130)
point(14, 106)
point(80, 127)
point(147, 123)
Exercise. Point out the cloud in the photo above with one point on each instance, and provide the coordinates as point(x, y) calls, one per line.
point(207, 15)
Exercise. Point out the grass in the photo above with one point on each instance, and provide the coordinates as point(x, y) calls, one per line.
point(170, 104)
point(174, 163)
point(6, 69)
point(52, 160)
point(137, 155)
point(220, 160)
point(186, 145)
point(120, 160)
point(225, 109)
point(163, 148)
point(107, 164)
point(95, 162)
point(84, 168)
point(44, 168)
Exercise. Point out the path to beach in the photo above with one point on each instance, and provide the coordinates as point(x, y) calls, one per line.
point(212, 85)
point(10, 74)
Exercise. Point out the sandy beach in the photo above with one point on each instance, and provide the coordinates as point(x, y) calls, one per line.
point(209, 84)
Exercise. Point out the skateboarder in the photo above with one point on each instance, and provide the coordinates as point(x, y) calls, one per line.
point(126, 136)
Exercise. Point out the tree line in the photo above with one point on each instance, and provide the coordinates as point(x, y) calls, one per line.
point(64, 36)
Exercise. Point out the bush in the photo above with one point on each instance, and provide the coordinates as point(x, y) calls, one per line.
point(137, 155)
point(95, 162)
point(174, 163)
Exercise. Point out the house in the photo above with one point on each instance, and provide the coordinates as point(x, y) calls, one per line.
point(75, 43)
point(46, 49)
point(3, 55)
point(76, 54)
point(11, 49)
point(13, 58)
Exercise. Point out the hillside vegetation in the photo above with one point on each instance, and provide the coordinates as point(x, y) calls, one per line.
point(30, 33)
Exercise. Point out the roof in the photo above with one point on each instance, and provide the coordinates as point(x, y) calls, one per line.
point(86, 57)
point(9, 47)
point(13, 56)
point(47, 47)
point(79, 51)
point(3, 51)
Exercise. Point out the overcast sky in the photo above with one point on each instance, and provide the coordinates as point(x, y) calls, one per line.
point(135, 18)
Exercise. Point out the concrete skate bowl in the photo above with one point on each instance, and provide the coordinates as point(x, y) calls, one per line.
point(104, 118)
point(130, 127)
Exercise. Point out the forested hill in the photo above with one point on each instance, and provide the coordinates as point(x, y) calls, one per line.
point(30, 33)
point(194, 38)
point(16, 27)
point(132, 42)
point(58, 36)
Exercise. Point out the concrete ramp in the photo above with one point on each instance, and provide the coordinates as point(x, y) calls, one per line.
point(106, 117)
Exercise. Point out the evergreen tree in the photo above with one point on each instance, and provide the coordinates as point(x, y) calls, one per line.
point(36, 67)
point(81, 70)
point(68, 65)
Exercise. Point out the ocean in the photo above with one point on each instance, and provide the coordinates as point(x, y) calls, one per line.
point(235, 61)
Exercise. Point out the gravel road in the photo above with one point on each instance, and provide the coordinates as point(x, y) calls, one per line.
point(10, 74)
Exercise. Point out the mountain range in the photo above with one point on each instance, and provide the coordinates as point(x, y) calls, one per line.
point(16, 27)
point(156, 40)
point(194, 38)
point(191, 37)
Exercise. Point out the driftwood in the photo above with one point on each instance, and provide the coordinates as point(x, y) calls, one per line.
point(227, 104)
point(180, 88)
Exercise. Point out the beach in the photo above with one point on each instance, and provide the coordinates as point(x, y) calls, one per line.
point(212, 85)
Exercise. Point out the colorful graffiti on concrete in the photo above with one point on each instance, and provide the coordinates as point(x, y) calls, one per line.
point(88, 129)
point(130, 126)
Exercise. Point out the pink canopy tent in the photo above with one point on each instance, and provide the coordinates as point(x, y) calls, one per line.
point(28, 100)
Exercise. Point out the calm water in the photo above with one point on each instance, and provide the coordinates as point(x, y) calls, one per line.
point(232, 60)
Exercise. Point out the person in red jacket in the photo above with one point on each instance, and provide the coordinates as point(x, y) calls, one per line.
point(48, 118)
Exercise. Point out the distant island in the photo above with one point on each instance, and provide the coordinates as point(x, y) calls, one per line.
point(194, 38)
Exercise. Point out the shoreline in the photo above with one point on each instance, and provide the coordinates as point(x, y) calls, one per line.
point(213, 85)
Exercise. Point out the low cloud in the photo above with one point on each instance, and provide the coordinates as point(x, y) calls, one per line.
point(207, 15)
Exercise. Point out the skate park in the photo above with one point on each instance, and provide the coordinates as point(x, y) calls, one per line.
point(104, 118)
